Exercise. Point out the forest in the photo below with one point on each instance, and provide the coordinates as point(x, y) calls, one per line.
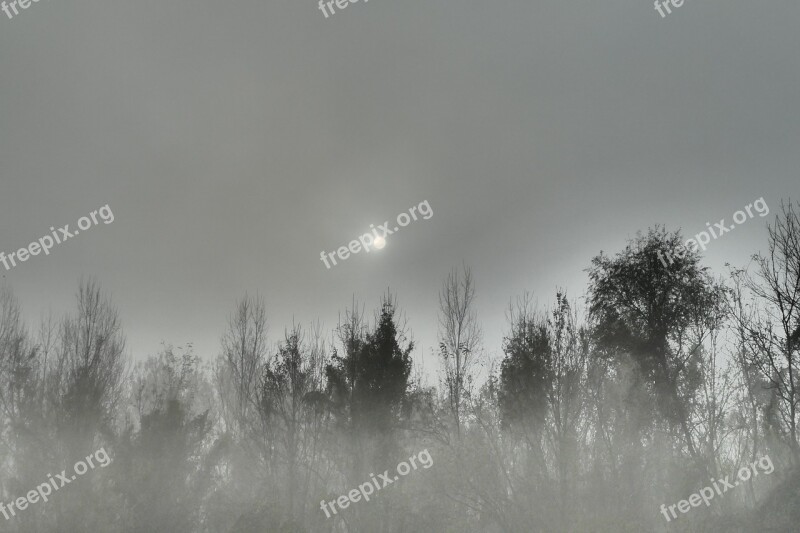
point(604, 404)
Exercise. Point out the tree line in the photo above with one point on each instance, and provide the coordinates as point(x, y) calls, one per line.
point(600, 409)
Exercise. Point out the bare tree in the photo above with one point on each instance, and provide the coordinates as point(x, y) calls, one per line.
point(85, 387)
point(459, 337)
point(773, 327)
point(244, 350)
point(18, 367)
point(291, 394)
point(17, 358)
point(90, 363)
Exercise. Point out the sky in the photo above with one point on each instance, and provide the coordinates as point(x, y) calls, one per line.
point(235, 141)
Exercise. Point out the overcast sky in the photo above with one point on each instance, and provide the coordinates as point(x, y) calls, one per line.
point(235, 141)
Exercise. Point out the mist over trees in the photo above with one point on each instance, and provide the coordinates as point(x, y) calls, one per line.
point(597, 411)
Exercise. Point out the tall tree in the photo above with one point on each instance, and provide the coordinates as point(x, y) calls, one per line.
point(648, 310)
point(251, 462)
point(771, 324)
point(244, 351)
point(369, 383)
point(459, 338)
point(90, 365)
point(163, 454)
point(291, 396)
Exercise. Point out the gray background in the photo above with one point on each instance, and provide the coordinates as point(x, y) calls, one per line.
point(234, 141)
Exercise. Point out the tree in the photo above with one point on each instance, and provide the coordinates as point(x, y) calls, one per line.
point(89, 366)
point(541, 393)
point(459, 338)
point(251, 463)
point(84, 387)
point(244, 350)
point(163, 455)
point(19, 366)
point(770, 326)
point(291, 396)
point(368, 385)
point(650, 310)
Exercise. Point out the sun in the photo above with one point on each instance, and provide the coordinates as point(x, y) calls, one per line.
point(380, 242)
